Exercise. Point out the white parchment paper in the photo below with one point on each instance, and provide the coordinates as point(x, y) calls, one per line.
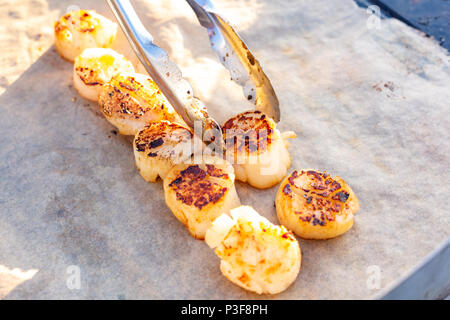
point(370, 105)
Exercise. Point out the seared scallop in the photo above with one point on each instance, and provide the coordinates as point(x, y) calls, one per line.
point(160, 146)
point(198, 193)
point(255, 254)
point(82, 29)
point(314, 205)
point(257, 149)
point(96, 66)
point(132, 101)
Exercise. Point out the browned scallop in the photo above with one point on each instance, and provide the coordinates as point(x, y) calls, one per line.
point(95, 67)
point(316, 206)
point(255, 254)
point(161, 145)
point(257, 149)
point(132, 101)
point(82, 29)
point(198, 193)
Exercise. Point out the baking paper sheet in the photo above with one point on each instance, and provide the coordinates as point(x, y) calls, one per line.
point(368, 104)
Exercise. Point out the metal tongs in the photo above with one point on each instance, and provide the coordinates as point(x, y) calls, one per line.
point(244, 69)
point(233, 53)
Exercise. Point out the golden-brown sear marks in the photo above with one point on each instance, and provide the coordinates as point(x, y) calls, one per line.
point(82, 21)
point(88, 76)
point(213, 171)
point(154, 136)
point(322, 197)
point(244, 233)
point(127, 97)
point(193, 187)
point(121, 103)
point(249, 132)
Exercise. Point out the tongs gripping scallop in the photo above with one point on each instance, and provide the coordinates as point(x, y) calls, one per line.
point(164, 72)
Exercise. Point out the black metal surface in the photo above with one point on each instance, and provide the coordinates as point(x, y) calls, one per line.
point(430, 16)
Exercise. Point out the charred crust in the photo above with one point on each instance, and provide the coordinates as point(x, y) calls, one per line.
point(177, 181)
point(213, 171)
point(287, 189)
point(140, 147)
point(194, 172)
point(128, 97)
point(292, 177)
point(248, 132)
point(341, 196)
point(320, 222)
point(304, 217)
point(156, 143)
point(322, 196)
point(134, 87)
point(87, 75)
point(308, 199)
point(159, 133)
point(192, 186)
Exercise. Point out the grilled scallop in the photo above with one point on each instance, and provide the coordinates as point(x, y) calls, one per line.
point(160, 146)
point(198, 193)
point(96, 66)
point(82, 29)
point(257, 149)
point(255, 254)
point(132, 101)
point(315, 206)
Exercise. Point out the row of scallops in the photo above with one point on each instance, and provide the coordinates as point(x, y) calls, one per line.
point(200, 191)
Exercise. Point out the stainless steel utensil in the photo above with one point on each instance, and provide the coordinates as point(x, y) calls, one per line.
point(237, 58)
point(165, 72)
